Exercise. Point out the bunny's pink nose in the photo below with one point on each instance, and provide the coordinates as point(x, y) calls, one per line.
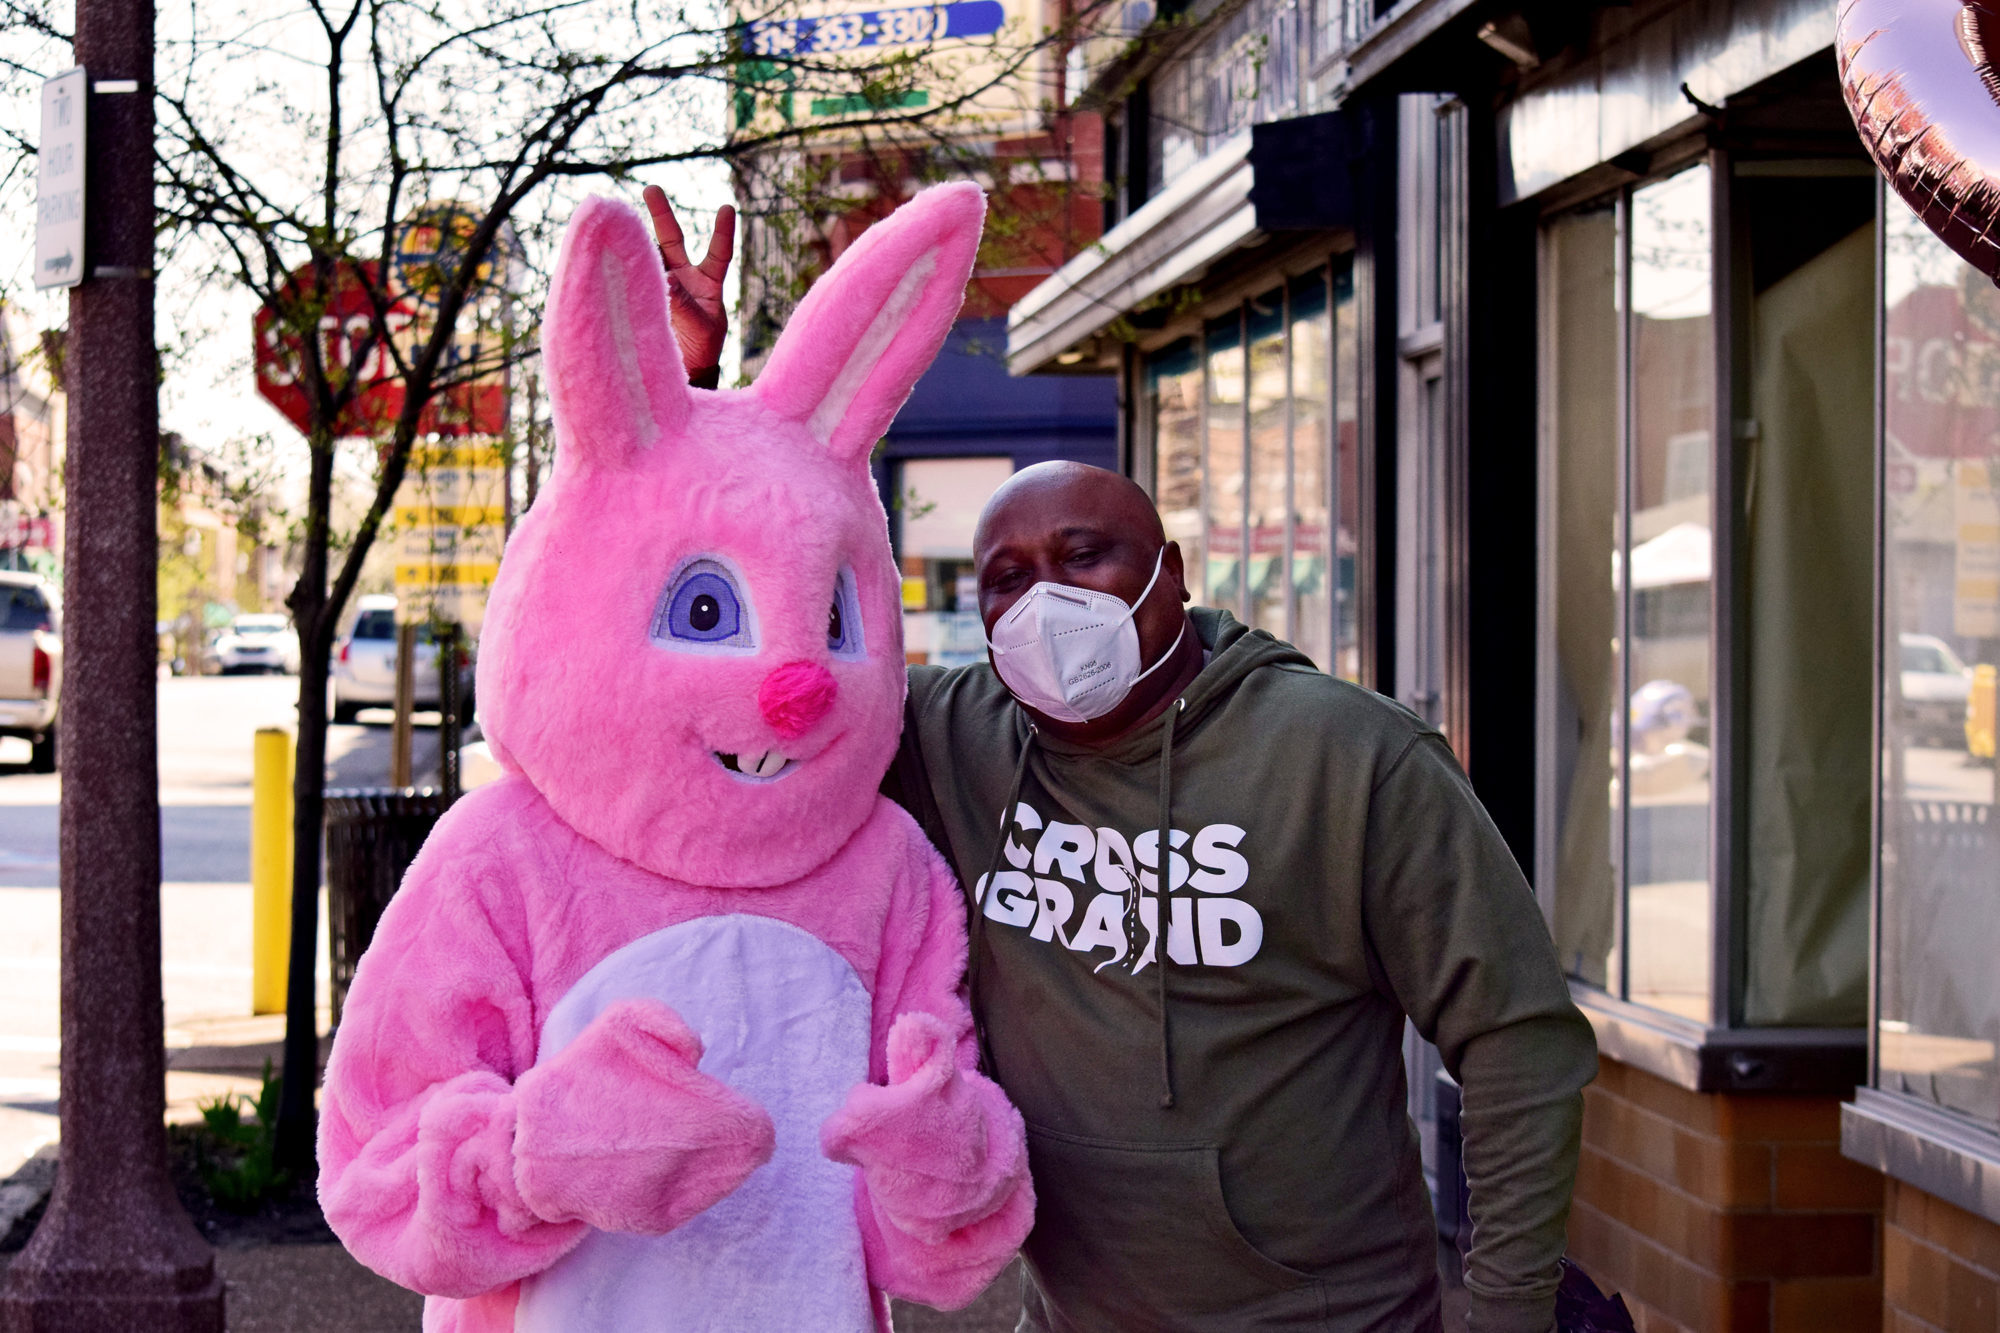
point(795, 697)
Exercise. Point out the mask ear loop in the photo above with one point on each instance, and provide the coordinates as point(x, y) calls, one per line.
point(1159, 563)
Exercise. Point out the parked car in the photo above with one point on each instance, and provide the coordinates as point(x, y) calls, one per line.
point(1935, 688)
point(31, 656)
point(364, 664)
point(258, 643)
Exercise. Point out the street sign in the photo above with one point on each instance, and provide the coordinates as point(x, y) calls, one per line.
point(451, 523)
point(59, 182)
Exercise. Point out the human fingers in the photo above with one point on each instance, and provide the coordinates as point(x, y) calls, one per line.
point(722, 245)
point(666, 228)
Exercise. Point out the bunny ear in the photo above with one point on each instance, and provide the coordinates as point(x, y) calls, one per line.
point(614, 371)
point(871, 326)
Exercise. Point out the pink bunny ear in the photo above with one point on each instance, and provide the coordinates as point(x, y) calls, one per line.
point(614, 371)
point(874, 323)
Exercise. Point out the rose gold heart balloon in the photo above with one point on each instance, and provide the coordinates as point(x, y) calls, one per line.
point(1921, 81)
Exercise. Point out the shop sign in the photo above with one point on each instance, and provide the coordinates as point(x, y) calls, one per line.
point(1975, 611)
point(19, 530)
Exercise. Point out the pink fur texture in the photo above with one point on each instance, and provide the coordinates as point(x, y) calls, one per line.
point(692, 665)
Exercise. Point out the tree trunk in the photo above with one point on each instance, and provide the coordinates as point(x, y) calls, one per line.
point(314, 620)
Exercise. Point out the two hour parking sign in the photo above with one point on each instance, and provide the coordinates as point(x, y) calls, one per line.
point(59, 183)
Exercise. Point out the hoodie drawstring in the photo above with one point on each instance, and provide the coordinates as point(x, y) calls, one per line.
point(979, 898)
point(1163, 888)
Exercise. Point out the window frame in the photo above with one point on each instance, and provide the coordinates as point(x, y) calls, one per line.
point(1143, 461)
point(1720, 1053)
point(1941, 1151)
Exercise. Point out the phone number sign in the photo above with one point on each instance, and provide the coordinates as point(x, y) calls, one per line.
point(874, 27)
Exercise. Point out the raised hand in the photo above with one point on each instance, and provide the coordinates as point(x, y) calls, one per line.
point(939, 1147)
point(700, 323)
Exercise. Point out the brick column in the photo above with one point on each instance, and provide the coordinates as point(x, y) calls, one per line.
point(1942, 1266)
point(1725, 1213)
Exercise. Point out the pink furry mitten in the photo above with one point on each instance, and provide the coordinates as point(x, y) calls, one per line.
point(622, 1131)
point(940, 1148)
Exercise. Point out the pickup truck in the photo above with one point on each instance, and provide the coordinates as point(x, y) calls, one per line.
point(30, 663)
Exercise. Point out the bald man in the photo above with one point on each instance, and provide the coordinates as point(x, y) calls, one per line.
point(1217, 1129)
point(1214, 1091)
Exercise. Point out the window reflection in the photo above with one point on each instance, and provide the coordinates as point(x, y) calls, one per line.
point(1669, 553)
point(1222, 584)
point(1268, 464)
point(1939, 1011)
point(1255, 436)
point(1582, 260)
point(1173, 400)
point(1312, 618)
point(1347, 476)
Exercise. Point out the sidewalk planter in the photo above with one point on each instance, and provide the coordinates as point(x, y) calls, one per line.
point(372, 835)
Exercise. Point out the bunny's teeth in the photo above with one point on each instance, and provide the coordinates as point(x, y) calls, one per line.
point(767, 764)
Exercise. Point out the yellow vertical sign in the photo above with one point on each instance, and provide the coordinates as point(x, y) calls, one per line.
point(450, 523)
point(1975, 611)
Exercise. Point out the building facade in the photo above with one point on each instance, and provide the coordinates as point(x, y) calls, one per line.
point(1662, 460)
point(33, 419)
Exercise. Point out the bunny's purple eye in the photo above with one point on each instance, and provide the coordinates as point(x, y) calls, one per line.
point(704, 610)
point(843, 618)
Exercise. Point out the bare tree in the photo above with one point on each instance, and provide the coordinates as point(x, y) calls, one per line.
point(297, 141)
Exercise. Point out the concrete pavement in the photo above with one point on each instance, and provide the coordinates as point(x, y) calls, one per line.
point(206, 725)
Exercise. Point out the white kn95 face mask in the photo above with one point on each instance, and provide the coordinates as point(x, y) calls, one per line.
point(1072, 654)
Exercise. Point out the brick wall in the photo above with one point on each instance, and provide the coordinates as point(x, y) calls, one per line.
point(1723, 1213)
point(1941, 1264)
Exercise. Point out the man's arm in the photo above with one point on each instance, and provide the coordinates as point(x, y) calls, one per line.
point(1465, 949)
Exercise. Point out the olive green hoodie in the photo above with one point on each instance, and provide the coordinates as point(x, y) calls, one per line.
point(1240, 1158)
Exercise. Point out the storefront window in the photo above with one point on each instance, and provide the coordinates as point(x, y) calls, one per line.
point(1252, 435)
point(1312, 363)
point(1173, 407)
point(1670, 553)
point(937, 506)
point(1939, 1017)
point(1223, 464)
point(1634, 727)
point(1270, 471)
point(1581, 525)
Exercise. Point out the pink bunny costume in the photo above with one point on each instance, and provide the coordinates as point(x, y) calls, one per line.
point(663, 1031)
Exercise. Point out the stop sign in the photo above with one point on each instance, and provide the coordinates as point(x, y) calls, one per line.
point(343, 329)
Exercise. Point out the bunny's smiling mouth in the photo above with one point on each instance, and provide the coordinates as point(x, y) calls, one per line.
point(766, 767)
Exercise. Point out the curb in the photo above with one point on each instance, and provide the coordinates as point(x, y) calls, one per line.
point(21, 1192)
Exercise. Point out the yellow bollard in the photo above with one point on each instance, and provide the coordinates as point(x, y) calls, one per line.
point(1980, 710)
point(270, 869)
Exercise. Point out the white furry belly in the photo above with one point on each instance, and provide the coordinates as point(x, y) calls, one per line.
point(784, 1020)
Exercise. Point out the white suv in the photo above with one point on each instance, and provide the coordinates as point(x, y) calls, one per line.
point(364, 664)
point(31, 656)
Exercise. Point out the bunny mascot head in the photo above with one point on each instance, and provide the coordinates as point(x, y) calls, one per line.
point(663, 1029)
point(694, 648)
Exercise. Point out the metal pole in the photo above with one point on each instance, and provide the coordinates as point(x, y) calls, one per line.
point(400, 737)
point(115, 1251)
point(450, 725)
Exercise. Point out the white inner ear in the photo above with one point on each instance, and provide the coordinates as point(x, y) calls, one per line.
point(868, 351)
point(618, 312)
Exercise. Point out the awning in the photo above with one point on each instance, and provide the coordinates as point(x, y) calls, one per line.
point(1290, 175)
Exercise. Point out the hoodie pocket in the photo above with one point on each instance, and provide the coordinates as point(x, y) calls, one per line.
point(1139, 1236)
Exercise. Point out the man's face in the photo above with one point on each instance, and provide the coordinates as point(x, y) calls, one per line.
point(1084, 528)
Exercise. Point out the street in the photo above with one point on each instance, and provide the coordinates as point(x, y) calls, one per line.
point(216, 1045)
